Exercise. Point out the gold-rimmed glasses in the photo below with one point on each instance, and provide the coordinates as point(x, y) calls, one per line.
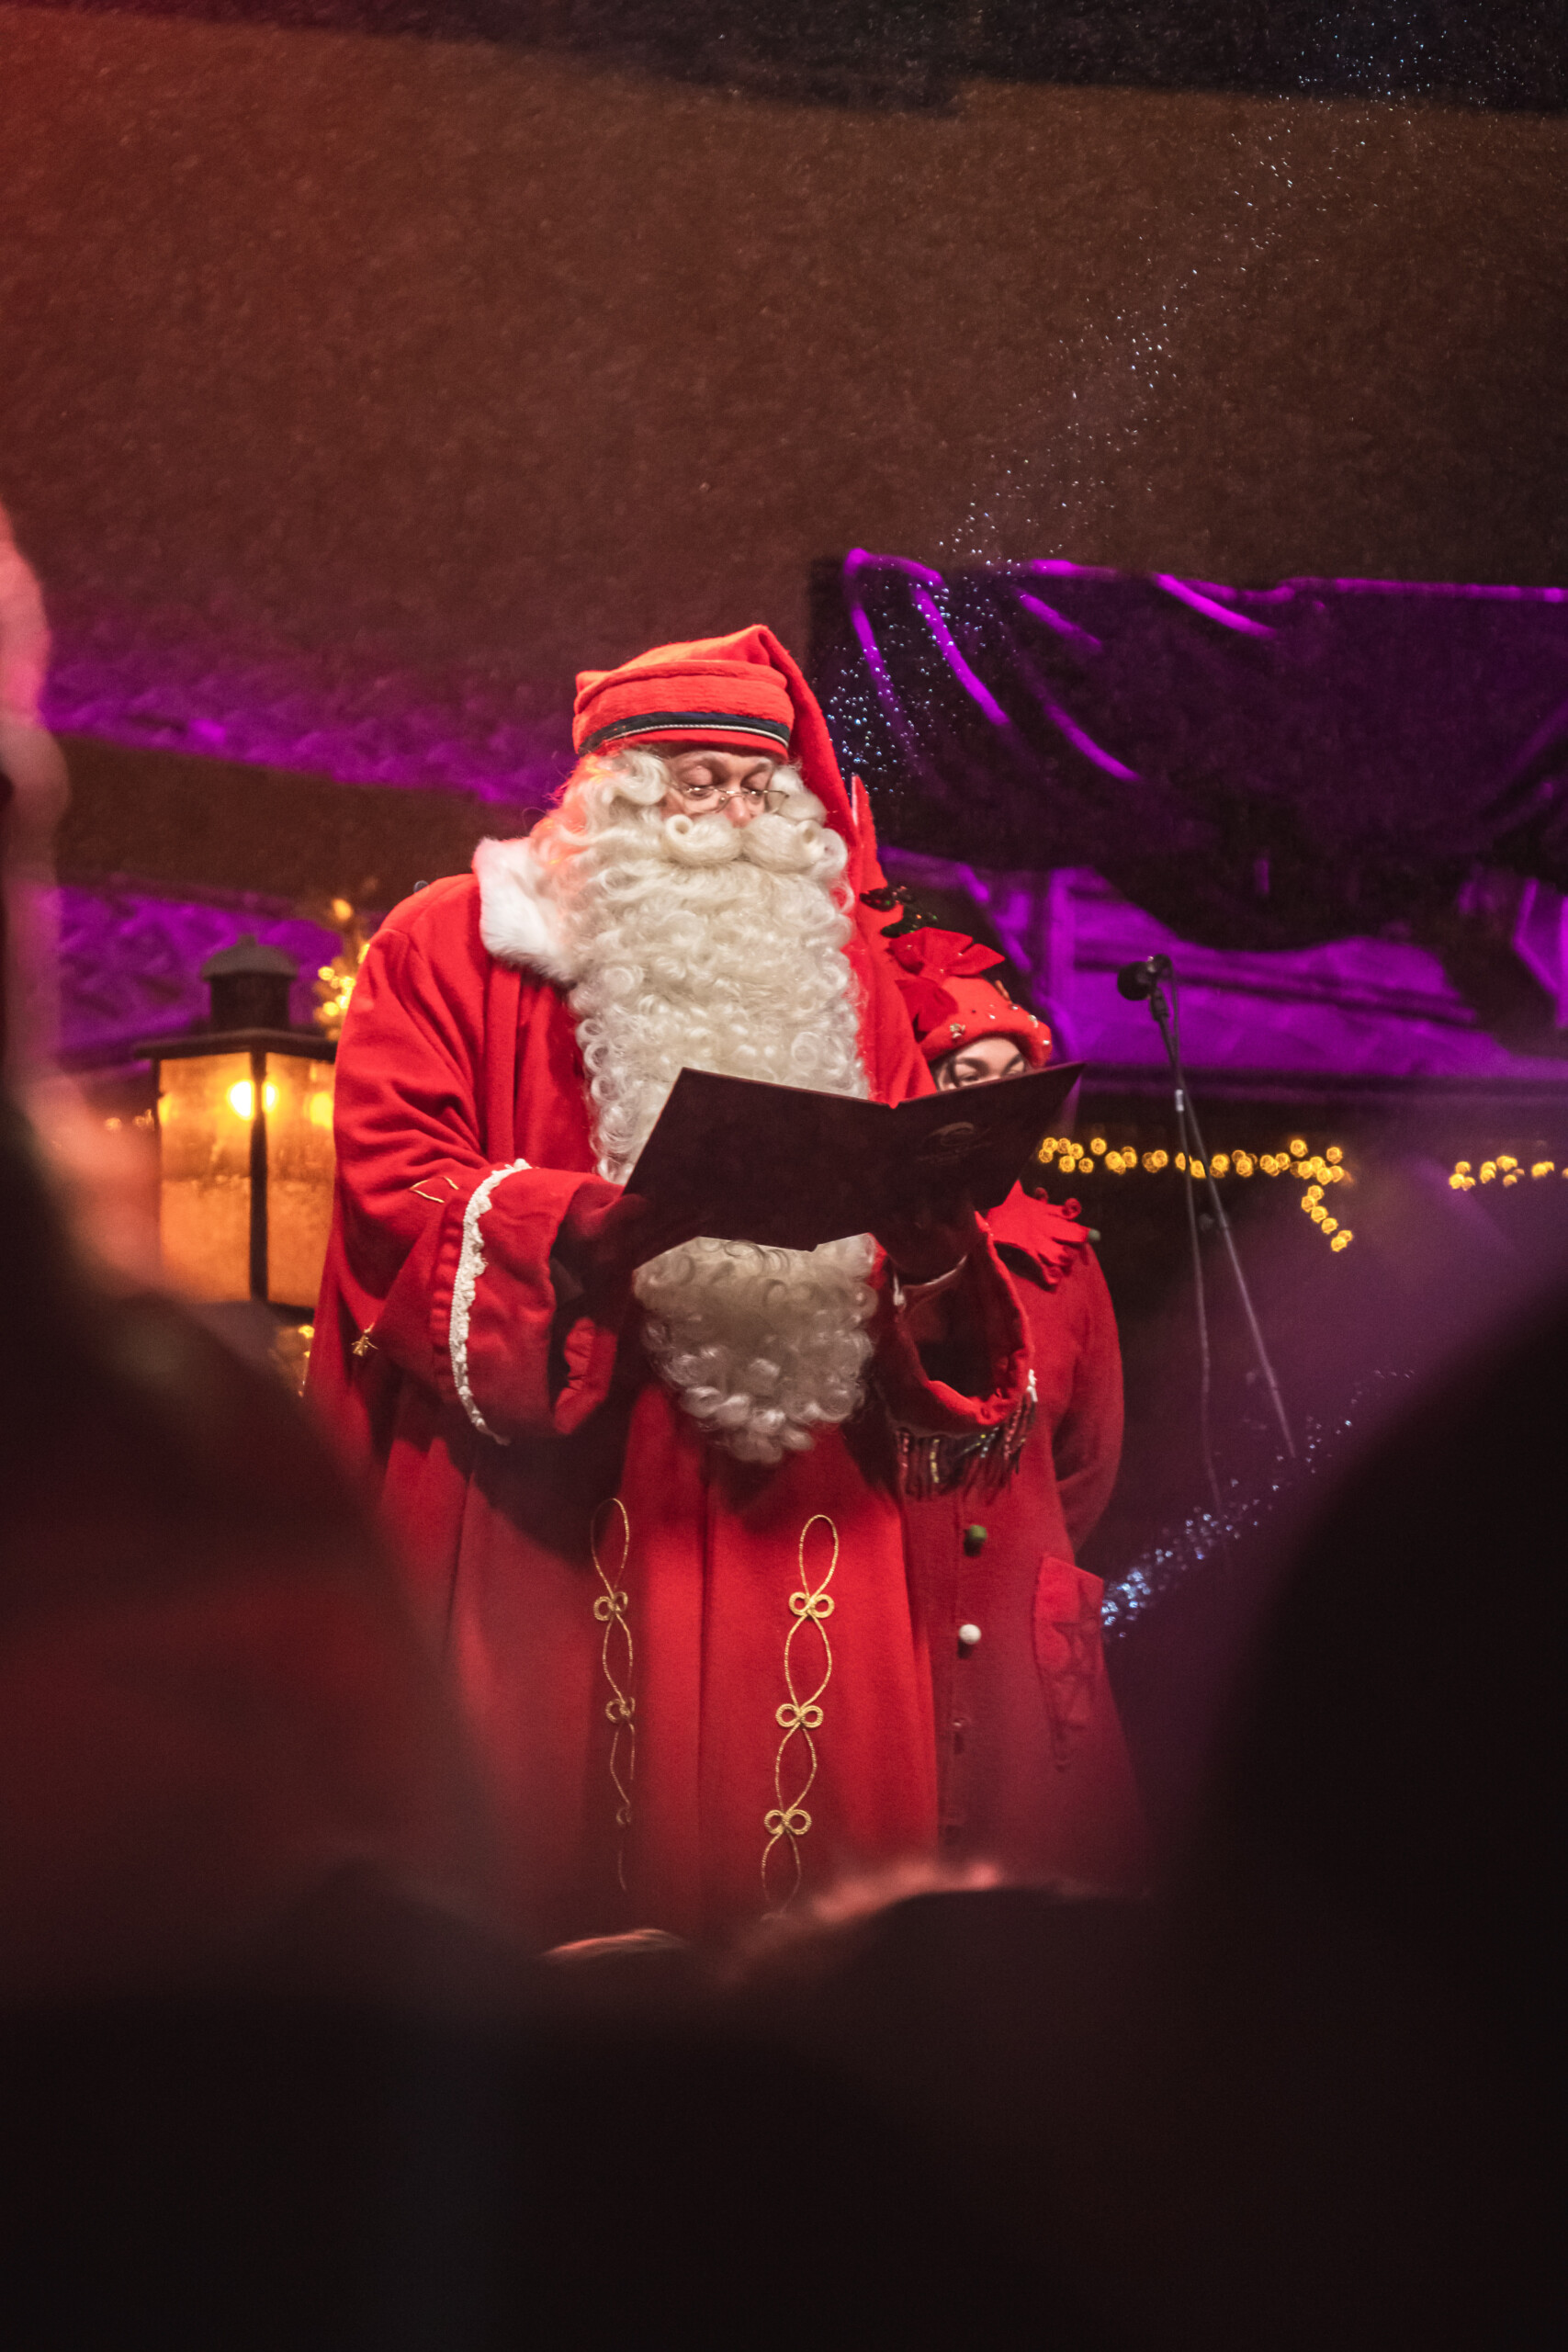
point(707, 799)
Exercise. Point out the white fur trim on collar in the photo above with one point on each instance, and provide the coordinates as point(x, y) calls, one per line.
point(519, 920)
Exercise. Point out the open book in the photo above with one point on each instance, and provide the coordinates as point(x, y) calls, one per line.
point(783, 1165)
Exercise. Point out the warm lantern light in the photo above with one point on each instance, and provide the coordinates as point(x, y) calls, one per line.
point(244, 1118)
point(241, 1099)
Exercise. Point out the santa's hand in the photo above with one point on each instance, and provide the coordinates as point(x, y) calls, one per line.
point(607, 1234)
point(923, 1245)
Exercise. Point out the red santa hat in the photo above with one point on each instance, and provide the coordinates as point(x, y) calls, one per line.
point(951, 1005)
point(741, 693)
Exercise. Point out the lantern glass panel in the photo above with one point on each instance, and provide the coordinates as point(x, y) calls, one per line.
point(299, 1170)
point(205, 1197)
point(205, 1109)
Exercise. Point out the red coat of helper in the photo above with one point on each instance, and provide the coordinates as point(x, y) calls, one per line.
point(1033, 1770)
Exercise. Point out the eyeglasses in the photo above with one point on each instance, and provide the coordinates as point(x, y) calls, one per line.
point(704, 798)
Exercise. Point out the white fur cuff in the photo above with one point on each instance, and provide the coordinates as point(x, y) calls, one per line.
point(470, 1266)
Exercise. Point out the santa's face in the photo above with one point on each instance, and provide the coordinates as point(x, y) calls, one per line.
point(705, 782)
point(980, 1063)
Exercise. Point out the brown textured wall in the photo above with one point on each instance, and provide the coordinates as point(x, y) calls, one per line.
point(408, 348)
point(159, 820)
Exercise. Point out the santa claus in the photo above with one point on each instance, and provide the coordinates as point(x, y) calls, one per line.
point(648, 1484)
point(1034, 1774)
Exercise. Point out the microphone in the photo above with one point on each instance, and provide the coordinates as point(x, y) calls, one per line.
point(1139, 980)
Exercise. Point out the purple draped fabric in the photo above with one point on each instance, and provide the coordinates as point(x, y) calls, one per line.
point(1257, 768)
point(1345, 1015)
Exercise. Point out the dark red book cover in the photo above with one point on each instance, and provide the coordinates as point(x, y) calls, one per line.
point(783, 1165)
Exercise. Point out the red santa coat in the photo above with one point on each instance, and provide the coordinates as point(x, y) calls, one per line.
point(696, 1682)
point(1033, 1773)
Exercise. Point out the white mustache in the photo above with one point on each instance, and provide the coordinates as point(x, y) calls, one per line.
point(778, 845)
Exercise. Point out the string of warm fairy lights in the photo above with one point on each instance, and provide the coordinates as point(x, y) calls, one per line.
point(1505, 1170)
point(335, 981)
point(1318, 1171)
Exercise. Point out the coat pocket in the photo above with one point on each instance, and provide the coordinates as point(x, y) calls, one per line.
point(1068, 1650)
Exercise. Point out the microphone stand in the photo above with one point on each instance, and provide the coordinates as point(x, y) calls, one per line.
point(1157, 970)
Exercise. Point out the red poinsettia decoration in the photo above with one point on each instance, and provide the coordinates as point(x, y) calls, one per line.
point(926, 958)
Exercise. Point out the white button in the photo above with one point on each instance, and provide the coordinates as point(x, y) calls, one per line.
point(968, 1635)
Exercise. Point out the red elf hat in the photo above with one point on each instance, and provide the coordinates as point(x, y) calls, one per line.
point(952, 1005)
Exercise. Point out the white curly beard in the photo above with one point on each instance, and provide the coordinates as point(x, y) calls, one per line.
point(721, 946)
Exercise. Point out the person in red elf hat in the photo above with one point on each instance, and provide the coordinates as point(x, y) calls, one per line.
point(970, 1029)
point(647, 1482)
point(1033, 1771)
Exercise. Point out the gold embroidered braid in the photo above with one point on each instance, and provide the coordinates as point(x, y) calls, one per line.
point(788, 1822)
point(610, 1610)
